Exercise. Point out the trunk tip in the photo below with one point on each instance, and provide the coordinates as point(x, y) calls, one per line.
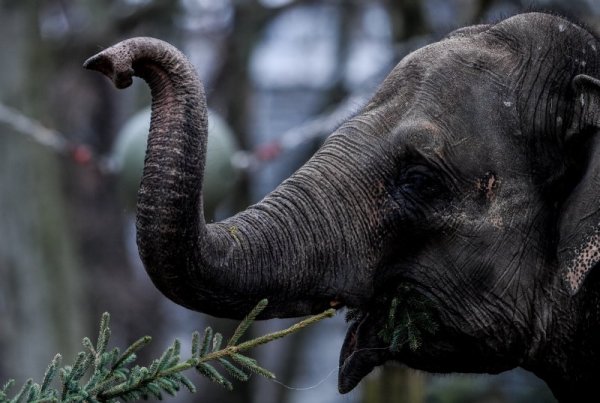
point(117, 69)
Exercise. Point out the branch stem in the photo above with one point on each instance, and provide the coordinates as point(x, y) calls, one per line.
point(228, 351)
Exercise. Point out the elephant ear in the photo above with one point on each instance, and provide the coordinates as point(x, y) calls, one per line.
point(579, 244)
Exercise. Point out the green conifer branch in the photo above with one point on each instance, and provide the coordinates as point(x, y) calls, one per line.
point(248, 320)
point(408, 318)
point(113, 376)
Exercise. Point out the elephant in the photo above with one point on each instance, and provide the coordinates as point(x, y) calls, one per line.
point(464, 193)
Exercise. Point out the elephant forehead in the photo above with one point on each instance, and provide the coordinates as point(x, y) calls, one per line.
point(454, 58)
point(447, 80)
point(546, 30)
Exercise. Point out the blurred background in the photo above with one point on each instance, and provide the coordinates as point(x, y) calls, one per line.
point(280, 75)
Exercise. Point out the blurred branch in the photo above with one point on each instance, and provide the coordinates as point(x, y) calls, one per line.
point(35, 130)
point(232, 83)
point(50, 138)
point(316, 130)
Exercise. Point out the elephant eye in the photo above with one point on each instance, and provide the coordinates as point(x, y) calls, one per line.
point(418, 180)
point(419, 189)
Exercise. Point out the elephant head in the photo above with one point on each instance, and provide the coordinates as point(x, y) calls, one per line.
point(462, 199)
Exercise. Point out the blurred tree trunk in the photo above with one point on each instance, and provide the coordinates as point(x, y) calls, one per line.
point(39, 291)
point(40, 283)
point(394, 384)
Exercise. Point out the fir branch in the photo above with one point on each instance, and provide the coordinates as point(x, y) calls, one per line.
point(233, 349)
point(408, 318)
point(233, 370)
point(206, 341)
point(113, 377)
point(286, 332)
point(4, 390)
point(251, 365)
point(248, 320)
point(129, 354)
point(50, 373)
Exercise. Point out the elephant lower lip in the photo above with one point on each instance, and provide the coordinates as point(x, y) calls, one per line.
point(361, 352)
point(350, 347)
point(346, 376)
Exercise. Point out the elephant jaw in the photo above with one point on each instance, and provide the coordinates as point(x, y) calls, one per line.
point(362, 351)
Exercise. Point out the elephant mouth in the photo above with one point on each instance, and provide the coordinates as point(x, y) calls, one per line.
point(362, 351)
point(393, 326)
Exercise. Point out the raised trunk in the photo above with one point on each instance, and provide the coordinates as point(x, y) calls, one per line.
point(303, 247)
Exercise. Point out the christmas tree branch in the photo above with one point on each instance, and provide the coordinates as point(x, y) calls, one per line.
point(113, 376)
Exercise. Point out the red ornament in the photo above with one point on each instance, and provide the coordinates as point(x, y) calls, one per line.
point(81, 154)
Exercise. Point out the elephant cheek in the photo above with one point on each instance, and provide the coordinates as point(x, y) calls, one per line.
point(361, 352)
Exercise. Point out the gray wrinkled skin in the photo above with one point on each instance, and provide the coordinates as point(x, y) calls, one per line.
point(471, 178)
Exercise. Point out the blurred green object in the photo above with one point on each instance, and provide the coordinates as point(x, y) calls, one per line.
point(220, 176)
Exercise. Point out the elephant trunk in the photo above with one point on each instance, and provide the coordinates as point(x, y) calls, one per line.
point(301, 247)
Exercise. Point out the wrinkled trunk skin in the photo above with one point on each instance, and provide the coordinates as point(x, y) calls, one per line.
point(302, 247)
